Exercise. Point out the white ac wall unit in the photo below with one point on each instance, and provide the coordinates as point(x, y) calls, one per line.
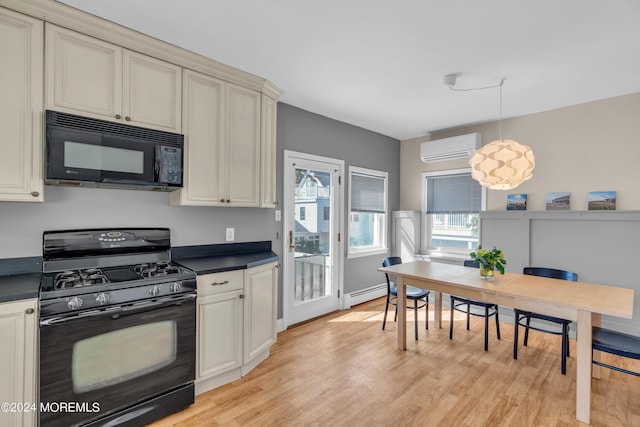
point(456, 147)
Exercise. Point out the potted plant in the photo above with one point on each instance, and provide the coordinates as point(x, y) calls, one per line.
point(489, 261)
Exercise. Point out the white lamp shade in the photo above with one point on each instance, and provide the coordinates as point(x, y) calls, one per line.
point(502, 165)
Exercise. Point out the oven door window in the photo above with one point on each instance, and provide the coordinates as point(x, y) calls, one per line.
point(98, 362)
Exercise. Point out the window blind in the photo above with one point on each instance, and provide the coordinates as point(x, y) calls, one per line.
point(453, 194)
point(367, 193)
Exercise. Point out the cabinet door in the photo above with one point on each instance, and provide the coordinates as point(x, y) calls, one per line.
point(243, 146)
point(152, 93)
point(18, 360)
point(268, 153)
point(260, 313)
point(219, 333)
point(203, 128)
point(21, 115)
point(83, 75)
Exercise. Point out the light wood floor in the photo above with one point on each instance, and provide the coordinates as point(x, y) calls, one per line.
point(343, 370)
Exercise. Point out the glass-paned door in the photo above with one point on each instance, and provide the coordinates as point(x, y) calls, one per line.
point(312, 236)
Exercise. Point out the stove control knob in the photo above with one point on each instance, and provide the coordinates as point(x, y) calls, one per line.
point(74, 303)
point(102, 298)
point(154, 291)
point(175, 287)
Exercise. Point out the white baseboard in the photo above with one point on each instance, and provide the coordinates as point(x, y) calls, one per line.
point(364, 295)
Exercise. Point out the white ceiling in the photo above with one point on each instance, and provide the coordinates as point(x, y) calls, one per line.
point(379, 64)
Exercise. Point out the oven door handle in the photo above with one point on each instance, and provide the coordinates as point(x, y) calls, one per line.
point(118, 311)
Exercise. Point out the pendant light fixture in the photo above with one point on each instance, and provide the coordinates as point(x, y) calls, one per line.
point(501, 164)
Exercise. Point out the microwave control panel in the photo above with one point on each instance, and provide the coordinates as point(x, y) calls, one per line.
point(169, 164)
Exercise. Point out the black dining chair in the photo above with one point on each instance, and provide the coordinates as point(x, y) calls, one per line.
point(523, 318)
point(617, 343)
point(466, 305)
point(414, 294)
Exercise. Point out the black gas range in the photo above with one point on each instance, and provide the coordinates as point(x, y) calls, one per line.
point(117, 327)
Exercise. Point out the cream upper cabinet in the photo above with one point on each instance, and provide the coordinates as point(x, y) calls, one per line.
point(21, 50)
point(243, 148)
point(222, 144)
point(93, 78)
point(18, 363)
point(204, 138)
point(268, 153)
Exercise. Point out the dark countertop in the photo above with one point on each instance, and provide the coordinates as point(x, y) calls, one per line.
point(20, 278)
point(206, 259)
point(217, 264)
point(19, 287)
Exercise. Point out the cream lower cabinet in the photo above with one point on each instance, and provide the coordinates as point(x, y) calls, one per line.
point(225, 131)
point(236, 323)
point(94, 78)
point(21, 48)
point(260, 328)
point(18, 363)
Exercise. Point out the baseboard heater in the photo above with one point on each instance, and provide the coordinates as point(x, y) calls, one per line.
point(364, 295)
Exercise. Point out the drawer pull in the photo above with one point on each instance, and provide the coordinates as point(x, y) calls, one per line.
point(29, 311)
point(226, 282)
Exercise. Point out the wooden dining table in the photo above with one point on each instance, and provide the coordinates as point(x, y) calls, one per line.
point(580, 302)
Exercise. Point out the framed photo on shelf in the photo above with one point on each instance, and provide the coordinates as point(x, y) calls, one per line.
point(516, 202)
point(602, 201)
point(558, 201)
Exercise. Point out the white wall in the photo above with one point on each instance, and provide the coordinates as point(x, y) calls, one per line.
point(587, 147)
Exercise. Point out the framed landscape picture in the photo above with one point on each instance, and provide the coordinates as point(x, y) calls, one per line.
point(558, 201)
point(602, 201)
point(516, 202)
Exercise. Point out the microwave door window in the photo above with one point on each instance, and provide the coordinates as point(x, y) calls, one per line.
point(103, 159)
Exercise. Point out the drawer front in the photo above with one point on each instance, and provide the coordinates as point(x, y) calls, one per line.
point(210, 284)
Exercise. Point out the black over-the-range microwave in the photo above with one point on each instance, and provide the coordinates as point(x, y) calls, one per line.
point(82, 151)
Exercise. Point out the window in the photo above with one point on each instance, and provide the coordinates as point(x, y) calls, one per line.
point(367, 212)
point(452, 201)
point(326, 216)
point(303, 214)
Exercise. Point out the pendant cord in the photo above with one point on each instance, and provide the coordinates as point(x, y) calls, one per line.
point(502, 81)
point(450, 81)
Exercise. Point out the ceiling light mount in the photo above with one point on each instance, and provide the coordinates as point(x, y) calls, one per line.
point(450, 79)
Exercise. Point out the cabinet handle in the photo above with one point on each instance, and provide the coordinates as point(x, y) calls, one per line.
point(241, 296)
point(228, 201)
point(29, 311)
point(35, 193)
point(127, 118)
point(118, 116)
point(221, 200)
point(226, 282)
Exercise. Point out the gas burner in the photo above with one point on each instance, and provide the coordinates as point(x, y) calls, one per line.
point(161, 268)
point(77, 278)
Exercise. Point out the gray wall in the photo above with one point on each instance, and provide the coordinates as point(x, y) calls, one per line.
point(305, 132)
point(22, 224)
